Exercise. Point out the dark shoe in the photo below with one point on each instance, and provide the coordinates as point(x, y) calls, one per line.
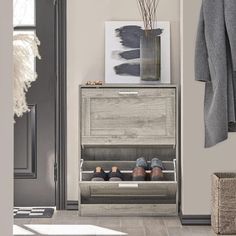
point(115, 174)
point(156, 170)
point(139, 174)
point(99, 174)
point(157, 174)
point(141, 162)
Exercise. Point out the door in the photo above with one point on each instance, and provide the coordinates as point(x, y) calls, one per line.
point(34, 133)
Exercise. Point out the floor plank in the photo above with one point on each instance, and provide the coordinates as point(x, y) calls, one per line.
point(104, 226)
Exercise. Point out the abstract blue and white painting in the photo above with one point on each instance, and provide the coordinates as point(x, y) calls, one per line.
point(122, 52)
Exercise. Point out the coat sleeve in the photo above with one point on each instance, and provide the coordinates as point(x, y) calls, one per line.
point(230, 22)
point(202, 72)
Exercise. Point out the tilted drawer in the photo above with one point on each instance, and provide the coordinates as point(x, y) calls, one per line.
point(128, 116)
point(163, 189)
point(128, 210)
point(127, 188)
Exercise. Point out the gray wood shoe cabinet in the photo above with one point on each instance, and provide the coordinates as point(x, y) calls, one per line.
point(118, 124)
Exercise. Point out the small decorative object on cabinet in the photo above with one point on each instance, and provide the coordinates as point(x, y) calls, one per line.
point(149, 41)
point(119, 124)
point(150, 56)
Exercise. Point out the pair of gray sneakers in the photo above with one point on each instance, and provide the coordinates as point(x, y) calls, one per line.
point(156, 167)
point(155, 162)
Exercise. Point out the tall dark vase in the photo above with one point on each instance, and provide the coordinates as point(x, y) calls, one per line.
point(150, 56)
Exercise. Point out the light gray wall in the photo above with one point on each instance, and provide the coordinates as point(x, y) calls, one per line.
point(6, 118)
point(86, 56)
point(86, 61)
point(198, 163)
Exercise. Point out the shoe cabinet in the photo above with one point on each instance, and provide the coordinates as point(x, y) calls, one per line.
point(118, 124)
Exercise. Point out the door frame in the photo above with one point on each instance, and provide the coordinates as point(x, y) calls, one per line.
point(60, 167)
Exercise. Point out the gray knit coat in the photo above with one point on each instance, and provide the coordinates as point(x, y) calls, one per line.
point(215, 64)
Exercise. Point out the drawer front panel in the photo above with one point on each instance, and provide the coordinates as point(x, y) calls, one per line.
point(128, 210)
point(128, 116)
point(128, 189)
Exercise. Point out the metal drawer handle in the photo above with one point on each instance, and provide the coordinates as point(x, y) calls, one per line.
point(128, 185)
point(128, 93)
point(81, 163)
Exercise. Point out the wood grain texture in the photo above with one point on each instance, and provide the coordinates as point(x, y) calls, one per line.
point(128, 116)
point(128, 210)
point(132, 226)
point(118, 125)
point(128, 188)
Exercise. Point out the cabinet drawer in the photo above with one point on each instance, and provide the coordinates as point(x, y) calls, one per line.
point(128, 116)
point(127, 189)
point(130, 210)
point(126, 167)
point(128, 92)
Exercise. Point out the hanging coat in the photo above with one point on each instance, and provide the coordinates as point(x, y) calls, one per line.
point(215, 63)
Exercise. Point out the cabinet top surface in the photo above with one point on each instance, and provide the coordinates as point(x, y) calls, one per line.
point(129, 86)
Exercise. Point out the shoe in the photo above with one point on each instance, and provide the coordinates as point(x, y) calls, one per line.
point(156, 170)
point(99, 174)
point(115, 174)
point(139, 174)
point(141, 162)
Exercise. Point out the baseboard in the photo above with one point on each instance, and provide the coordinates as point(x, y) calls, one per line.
point(195, 219)
point(72, 205)
point(185, 219)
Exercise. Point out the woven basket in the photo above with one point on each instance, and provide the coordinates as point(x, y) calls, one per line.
point(223, 219)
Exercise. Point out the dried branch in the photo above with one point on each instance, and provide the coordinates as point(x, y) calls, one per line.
point(148, 12)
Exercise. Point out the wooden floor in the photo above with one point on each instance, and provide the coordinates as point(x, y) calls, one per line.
point(72, 224)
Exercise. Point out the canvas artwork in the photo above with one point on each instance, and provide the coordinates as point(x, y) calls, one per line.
point(122, 51)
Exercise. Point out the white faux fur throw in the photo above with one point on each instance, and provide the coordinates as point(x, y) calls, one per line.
point(25, 50)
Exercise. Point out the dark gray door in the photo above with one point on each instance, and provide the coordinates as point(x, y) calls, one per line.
point(35, 131)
